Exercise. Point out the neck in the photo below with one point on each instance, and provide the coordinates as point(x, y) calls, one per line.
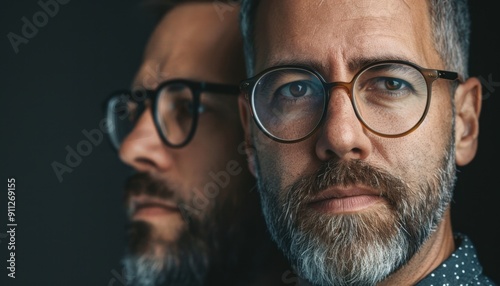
point(258, 263)
point(434, 251)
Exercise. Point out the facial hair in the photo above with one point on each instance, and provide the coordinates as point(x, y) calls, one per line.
point(152, 261)
point(361, 248)
point(225, 243)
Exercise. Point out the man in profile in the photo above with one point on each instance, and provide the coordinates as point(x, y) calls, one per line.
point(356, 114)
point(195, 218)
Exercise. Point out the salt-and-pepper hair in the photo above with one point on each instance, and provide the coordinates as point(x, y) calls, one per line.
point(450, 22)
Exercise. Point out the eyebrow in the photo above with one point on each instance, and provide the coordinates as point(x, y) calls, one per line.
point(354, 64)
point(316, 65)
point(358, 63)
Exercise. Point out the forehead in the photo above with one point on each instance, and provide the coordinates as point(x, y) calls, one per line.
point(193, 41)
point(332, 36)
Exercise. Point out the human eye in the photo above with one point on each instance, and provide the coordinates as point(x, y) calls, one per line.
point(183, 107)
point(176, 108)
point(296, 90)
point(297, 99)
point(389, 87)
point(288, 93)
point(390, 82)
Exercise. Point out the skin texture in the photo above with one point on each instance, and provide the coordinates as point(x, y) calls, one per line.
point(195, 41)
point(336, 41)
point(175, 53)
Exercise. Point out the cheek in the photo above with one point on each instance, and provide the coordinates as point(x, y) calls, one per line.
point(282, 164)
point(422, 150)
point(416, 156)
point(217, 150)
point(409, 161)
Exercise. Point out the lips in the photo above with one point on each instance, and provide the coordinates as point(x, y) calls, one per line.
point(338, 200)
point(147, 206)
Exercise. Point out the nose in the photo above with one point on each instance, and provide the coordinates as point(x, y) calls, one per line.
point(342, 135)
point(143, 148)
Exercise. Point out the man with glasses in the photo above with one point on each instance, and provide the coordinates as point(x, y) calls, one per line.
point(356, 114)
point(195, 218)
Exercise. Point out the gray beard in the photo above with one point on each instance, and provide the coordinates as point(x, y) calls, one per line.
point(355, 249)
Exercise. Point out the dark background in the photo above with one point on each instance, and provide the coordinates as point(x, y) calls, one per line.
point(73, 232)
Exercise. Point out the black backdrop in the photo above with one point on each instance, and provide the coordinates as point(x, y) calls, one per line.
point(71, 232)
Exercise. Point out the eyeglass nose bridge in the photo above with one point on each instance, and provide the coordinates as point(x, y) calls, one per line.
point(347, 86)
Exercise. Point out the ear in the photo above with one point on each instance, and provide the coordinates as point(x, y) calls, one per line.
point(246, 121)
point(468, 99)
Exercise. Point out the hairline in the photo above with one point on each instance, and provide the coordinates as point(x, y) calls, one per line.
point(450, 28)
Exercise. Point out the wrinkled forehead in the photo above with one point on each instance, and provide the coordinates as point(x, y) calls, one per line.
point(193, 41)
point(329, 33)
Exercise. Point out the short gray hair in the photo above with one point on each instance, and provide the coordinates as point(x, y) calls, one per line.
point(450, 23)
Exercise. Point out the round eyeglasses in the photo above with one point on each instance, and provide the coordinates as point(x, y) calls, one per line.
point(175, 106)
point(390, 98)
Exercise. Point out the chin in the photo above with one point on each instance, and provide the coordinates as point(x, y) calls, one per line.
point(164, 257)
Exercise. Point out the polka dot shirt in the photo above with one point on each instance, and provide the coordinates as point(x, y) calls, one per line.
point(462, 268)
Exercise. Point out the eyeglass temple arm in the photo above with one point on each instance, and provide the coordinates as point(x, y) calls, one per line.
point(243, 88)
point(448, 75)
point(220, 88)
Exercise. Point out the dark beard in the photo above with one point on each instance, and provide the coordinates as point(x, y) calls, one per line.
point(184, 263)
point(216, 248)
point(362, 248)
point(149, 260)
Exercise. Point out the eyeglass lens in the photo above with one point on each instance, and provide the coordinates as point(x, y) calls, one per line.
point(174, 113)
point(389, 98)
point(122, 115)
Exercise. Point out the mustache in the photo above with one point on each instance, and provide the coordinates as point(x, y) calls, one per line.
point(344, 173)
point(146, 184)
point(155, 187)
